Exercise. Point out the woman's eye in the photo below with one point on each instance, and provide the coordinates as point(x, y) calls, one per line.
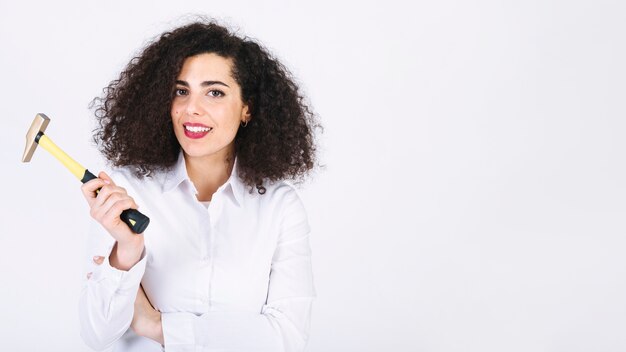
point(216, 93)
point(180, 91)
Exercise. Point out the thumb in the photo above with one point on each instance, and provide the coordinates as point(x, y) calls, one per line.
point(103, 175)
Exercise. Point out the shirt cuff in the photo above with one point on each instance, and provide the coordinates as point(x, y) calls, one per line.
point(178, 329)
point(125, 281)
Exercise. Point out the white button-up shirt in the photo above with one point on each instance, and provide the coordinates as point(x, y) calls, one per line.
point(235, 276)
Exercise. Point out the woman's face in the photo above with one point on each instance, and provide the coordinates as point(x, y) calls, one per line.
point(207, 107)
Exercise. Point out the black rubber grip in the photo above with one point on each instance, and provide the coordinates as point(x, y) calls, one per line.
point(135, 220)
point(131, 217)
point(88, 176)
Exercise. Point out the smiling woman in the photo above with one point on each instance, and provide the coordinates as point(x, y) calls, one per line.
point(135, 111)
point(206, 118)
point(194, 123)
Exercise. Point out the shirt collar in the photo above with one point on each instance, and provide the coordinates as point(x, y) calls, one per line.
point(178, 174)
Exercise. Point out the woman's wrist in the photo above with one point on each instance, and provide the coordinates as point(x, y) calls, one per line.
point(126, 254)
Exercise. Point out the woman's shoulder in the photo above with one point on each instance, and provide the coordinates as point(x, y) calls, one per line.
point(283, 195)
point(278, 190)
point(286, 206)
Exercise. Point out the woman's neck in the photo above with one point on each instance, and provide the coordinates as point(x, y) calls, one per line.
point(208, 173)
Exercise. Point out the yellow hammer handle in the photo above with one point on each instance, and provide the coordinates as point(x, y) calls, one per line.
point(75, 168)
point(132, 217)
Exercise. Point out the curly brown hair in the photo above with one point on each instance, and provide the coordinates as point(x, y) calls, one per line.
point(135, 125)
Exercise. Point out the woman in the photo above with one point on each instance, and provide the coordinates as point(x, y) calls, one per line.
point(202, 128)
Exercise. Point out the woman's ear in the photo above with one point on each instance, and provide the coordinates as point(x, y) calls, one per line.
point(245, 113)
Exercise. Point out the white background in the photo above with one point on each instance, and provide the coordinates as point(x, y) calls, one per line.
point(473, 197)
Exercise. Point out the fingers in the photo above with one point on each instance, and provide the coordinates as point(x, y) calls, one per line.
point(103, 175)
point(109, 202)
point(112, 214)
point(108, 197)
point(109, 213)
point(89, 189)
point(106, 191)
point(98, 260)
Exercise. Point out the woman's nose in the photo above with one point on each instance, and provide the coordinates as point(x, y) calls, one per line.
point(194, 106)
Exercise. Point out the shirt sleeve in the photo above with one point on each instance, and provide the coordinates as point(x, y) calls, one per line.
point(107, 299)
point(284, 321)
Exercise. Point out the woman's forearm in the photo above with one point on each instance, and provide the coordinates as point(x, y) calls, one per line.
point(146, 320)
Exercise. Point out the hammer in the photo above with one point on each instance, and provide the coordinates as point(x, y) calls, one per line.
point(132, 217)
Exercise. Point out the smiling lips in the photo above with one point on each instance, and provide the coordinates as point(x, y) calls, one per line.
point(196, 130)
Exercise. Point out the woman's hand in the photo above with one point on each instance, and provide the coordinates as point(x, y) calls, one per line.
point(146, 320)
point(106, 207)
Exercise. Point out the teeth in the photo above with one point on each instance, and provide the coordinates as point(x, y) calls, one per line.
point(197, 129)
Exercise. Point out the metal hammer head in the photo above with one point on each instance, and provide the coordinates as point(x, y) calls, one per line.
point(39, 124)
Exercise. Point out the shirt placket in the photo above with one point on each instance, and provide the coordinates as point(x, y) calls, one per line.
point(201, 287)
point(202, 278)
point(214, 211)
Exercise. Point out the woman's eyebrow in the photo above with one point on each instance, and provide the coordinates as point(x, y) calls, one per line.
point(203, 84)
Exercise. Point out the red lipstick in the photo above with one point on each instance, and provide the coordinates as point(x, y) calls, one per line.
point(196, 130)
